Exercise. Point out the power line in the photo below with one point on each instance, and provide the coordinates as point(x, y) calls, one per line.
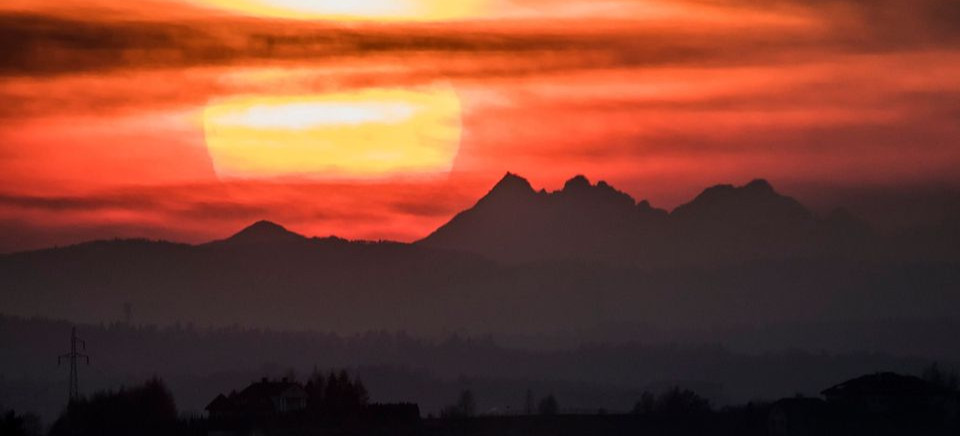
point(73, 355)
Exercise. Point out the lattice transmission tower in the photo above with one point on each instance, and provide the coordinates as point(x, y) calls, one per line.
point(73, 356)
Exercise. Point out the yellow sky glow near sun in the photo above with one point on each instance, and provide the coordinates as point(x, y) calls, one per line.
point(380, 10)
point(363, 134)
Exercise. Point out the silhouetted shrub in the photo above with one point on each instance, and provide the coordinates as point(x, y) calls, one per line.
point(549, 405)
point(647, 404)
point(528, 403)
point(674, 403)
point(13, 424)
point(336, 395)
point(142, 410)
point(949, 380)
point(465, 408)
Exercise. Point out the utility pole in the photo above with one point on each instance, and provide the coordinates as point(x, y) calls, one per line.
point(73, 355)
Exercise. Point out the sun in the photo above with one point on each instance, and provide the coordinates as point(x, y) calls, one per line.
point(380, 10)
point(371, 133)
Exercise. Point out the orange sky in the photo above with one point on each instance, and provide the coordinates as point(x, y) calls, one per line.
point(383, 119)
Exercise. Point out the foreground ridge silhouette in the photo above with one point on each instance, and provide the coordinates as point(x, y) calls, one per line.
point(881, 403)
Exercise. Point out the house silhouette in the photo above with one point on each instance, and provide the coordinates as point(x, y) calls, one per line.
point(887, 392)
point(265, 398)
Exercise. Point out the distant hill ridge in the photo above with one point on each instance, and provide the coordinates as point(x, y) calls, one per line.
point(262, 232)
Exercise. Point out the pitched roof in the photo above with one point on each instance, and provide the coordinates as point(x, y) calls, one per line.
point(258, 396)
point(884, 383)
point(221, 403)
point(268, 389)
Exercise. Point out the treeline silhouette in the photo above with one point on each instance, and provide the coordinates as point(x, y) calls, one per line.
point(336, 395)
point(872, 404)
point(148, 410)
point(199, 363)
point(674, 403)
point(326, 402)
point(337, 403)
point(13, 423)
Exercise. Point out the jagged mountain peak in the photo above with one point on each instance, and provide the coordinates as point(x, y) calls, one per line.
point(577, 183)
point(515, 222)
point(579, 192)
point(513, 182)
point(585, 220)
point(581, 183)
point(757, 200)
point(760, 185)
point(510, 188)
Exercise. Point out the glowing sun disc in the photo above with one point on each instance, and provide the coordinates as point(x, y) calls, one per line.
point(369, 133)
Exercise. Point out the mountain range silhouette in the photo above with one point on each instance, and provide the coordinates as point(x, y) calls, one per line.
point(515, 223)
point(577, 259)
point(597, 222)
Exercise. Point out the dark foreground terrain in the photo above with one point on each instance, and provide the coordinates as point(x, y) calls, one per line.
point(336, 403)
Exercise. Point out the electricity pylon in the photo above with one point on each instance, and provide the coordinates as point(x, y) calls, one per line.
point(73, 355)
